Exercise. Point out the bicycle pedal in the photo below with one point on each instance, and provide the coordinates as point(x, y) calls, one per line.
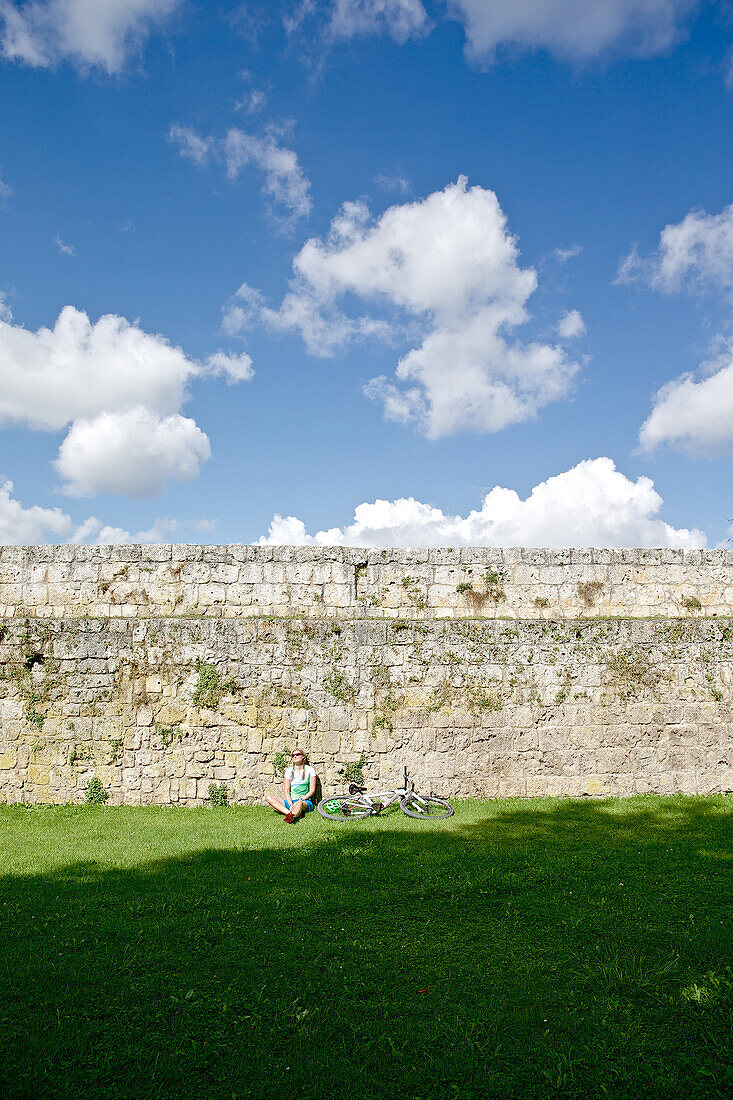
point(377, 808)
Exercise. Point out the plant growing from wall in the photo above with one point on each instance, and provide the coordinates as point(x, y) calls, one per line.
point(78, 753)
point(465, 693)
point(218, 795)
point(359, 571)
point(119, 574)
point(589, 591)
point(388, 706)
point(210, 687)
point(280, 761)
point(493, 589)
point(494, 581)
point(413, 593)
point(339, 686)
point(32, 675)
point(169, 734)
point(381, 721)
point(279, 695)
point(691, 603)
point(441, 696)
point(480, 697)
point(386, 701)
point(397, 626)
point(95, 793)
point(353, 771)
point(296, 641)
point(564, 689)
point(632, 672)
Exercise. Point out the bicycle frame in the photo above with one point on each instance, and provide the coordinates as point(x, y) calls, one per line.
point(358, 804)
point(385, 799)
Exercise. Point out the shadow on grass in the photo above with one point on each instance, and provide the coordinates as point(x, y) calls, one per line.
point(542, 950)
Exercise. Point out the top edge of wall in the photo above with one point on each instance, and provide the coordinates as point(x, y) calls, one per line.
point(160, 552)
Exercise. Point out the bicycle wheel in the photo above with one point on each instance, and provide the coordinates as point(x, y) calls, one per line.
point(425, 805)
point(344, 807)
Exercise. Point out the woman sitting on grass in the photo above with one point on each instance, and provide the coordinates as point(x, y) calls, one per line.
point(300, 786)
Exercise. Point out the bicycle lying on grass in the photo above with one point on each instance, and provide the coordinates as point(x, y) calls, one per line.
point(357, 804)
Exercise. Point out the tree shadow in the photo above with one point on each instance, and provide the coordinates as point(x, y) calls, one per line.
point(539, 950)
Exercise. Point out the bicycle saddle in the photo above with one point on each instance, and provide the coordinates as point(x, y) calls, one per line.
point(354, 789)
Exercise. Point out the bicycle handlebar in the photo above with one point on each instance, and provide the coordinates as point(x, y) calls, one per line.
point(354, 788)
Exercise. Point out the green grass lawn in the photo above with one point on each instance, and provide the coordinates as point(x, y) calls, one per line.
point(519, 949)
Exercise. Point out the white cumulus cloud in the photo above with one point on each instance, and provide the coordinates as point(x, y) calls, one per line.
point(693, 415)
point(162, 530)
point(34, 526)
point(78, 369)
point(284, 181)
point(135, 453)
point(401, 19)
point(102, 33)
point(571, 325)
point(592, 504)
point(443, 272)
point(235, 368)
point(110, 382)
point(21, 526)
point(574, 29)
point(694, 254)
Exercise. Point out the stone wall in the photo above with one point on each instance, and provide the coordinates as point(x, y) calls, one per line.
point(555, 672)
point(240, 581)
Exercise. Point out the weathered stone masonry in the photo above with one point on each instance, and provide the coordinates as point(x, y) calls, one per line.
point(517, 672)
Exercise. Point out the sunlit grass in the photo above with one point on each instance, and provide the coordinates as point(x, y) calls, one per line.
point(521, 948)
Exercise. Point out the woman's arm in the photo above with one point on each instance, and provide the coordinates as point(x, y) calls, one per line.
point(312, 786)
point(286, 787)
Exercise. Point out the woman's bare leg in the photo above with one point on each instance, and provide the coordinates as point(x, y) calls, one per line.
point(298, 808)
point(276, 804)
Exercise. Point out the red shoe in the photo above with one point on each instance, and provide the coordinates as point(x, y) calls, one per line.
point(289, 819)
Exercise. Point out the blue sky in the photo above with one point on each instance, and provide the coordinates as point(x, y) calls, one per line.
point(386, 272)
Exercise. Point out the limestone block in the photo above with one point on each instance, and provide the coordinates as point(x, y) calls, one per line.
point(228, 572)
point(543, 786)
point(38, 775)
point(8, 758)
point(327, 742)
point(515, 787)
point(85, 572)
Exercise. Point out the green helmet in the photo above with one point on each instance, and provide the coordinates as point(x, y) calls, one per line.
point(332, 806)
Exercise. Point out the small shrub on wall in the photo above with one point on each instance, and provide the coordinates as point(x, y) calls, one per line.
point(218, 795)
point(95, 792)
